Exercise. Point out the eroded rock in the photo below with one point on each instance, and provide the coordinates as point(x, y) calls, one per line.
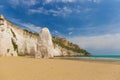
point(45, 44)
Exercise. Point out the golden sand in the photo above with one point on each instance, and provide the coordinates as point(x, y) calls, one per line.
point(20, 68)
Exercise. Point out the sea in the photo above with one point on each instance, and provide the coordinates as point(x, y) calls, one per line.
point(97, 58)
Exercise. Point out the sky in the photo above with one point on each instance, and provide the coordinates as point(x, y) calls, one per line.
point(92, 24)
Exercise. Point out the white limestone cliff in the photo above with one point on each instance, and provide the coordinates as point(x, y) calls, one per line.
point(15, 41)
point(45, 45)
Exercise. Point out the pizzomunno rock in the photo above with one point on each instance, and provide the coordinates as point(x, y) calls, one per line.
point(45, 48)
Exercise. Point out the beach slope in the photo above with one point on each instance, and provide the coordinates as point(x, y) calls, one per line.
point(20, 68)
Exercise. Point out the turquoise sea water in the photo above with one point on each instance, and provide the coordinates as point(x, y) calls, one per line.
point(100, 58)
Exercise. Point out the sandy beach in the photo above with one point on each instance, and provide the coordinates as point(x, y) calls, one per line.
point(20, 68)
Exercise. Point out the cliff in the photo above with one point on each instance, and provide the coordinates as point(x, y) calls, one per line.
point(68, 48)
point(15, 41)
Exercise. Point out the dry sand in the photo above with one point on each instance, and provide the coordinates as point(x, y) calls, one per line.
point(20, 68)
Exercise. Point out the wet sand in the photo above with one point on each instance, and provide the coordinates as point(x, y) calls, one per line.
point(22, 68)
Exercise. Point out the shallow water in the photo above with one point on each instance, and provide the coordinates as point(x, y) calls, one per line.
point(100, 58)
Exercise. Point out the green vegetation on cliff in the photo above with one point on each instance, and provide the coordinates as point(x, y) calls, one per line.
point(33, 33)
point(69, 46)
point(15, 46)
point(13, 33)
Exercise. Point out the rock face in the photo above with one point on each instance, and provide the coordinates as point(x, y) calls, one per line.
point(45, 47)
point(68, 48)
point(15, 41)
point(18, 42)
point(45, 44)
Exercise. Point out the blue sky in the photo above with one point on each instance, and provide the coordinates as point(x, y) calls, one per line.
point(92, 24)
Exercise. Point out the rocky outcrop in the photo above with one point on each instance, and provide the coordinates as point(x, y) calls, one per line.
point(68, 48)
point(45, 48)
point(18, 42)
point(15, 41)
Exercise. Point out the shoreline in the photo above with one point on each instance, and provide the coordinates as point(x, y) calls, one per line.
point(89, 60)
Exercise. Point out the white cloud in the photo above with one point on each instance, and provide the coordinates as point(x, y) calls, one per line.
point(71, 28)
point(32, 27)
point(34, 2)
point(65, 11)
point(28, 26)
point(95, 1)
point(70, 1)
point(56, 1)
point(70, 33)
point(39, 10)
point(108, 41)
point(61, 11)
point(23, 2)
point(56, 32)
point(91, 29)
